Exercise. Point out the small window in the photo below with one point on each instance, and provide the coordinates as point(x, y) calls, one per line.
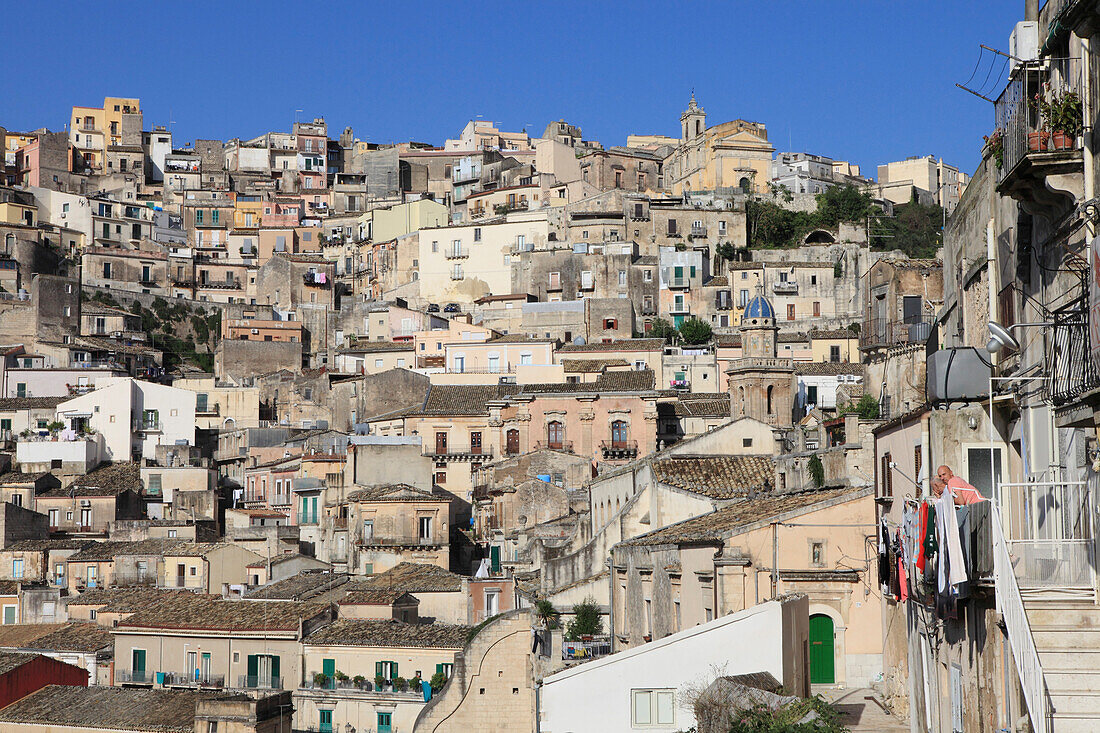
point(653, 708)
point(746, 442)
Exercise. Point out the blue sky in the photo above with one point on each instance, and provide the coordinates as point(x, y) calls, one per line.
point(864, 80)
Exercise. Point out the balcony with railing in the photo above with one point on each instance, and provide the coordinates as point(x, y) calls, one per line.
point(456, 253)
point(1041, 155)
point(399, 541)
point(259, 682)
point(135, 677)
point(195, 679)
point(785, 287)
point(619, 449)
point(698, 231)
point(879, 332)
point(469, 454)
point(679, 283)
point(579, 651)
point(1073, 373)
point(565, 446)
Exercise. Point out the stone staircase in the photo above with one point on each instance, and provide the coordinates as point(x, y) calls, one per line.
point(1067, 638)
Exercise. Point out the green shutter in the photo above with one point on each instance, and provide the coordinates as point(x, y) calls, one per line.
point(377, 669)
point(328, 668)
point(253, 665)
point(138, 664)
point(394, 668)
point(275, 668)
point(439, 669)
point(693, 270)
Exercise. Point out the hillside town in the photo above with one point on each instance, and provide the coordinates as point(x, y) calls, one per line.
point(523, 431)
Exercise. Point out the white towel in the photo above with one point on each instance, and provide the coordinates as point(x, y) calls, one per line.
point(956, 559)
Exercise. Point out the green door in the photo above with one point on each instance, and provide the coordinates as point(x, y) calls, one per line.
point(137, 665)
point(821, 651)
point(385, 722)
point(326, 721)
point(494, 559)
point(328, 669)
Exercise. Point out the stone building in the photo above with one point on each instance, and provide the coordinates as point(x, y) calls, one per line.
point(761, 385)
point(732, 155)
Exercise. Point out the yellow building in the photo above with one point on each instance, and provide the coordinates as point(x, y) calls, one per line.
point(15, 140)
point(382, 225)
point(13, 212)
point(735, 154)
point(94, 128)
point(248, 212)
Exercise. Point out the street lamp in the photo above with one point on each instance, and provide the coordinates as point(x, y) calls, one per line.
point(1001, 337)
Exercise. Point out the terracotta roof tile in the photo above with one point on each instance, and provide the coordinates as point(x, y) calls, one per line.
point(718, 524)
point(199, 612)
point(376, 597)
point(113, 708)
point(717, 477)
point(829, 368)
point(300, 587)
point(390, 634)
point(416, 578)
point(70, 637)
point(643, 344)
point(592, 365)
point(394, 492)
point(30, 403)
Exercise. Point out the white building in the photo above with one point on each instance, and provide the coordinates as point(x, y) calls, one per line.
point(133, 417)
point(639, 688)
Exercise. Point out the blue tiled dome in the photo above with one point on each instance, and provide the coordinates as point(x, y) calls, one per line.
point(758, 307)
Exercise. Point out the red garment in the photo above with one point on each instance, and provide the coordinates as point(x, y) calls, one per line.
point(923, 532)
point(903, 583)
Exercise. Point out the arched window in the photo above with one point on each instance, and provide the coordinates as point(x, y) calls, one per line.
point(698, 127)
point(771, 411)
point(616, 505)
point(555, 434)
point(618, 434)
point(745, 185)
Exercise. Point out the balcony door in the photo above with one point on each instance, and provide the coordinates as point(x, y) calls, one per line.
point(513, 442)
point(618, 434)
point(911, 308)
point(440, 443)
point(555, 434)
point(475, 443)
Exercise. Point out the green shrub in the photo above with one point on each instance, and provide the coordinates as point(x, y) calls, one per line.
point(586, 620)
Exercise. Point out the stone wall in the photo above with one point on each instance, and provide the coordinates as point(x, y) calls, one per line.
point(241, 359)
point(492, 688)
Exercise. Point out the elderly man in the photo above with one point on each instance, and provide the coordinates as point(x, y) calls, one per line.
point(961, 492)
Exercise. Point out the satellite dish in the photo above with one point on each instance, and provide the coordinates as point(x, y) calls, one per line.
point(579, 341)
point(1000, 338)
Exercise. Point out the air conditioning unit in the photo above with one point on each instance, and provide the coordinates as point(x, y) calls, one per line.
point(1023, 43)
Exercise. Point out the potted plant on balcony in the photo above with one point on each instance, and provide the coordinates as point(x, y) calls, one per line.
point(320, 679)
point(1065, 120)
point(359, 681)
point(995, 147)
point(341, 677)
point(437, 681)
point(1037, 139)
point(379, 682)
point(400, 684)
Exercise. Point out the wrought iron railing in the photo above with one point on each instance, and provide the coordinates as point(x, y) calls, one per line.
point(881, 332)
point(1069, 358)
point(1048, 530)
point(576, 650)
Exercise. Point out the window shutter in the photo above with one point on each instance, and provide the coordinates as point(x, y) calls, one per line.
point(275, 667)
point(439, 669)
point(377, 669)
point(253, 665)
point(394, 668)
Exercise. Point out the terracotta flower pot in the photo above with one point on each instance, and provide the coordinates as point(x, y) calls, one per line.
point(1061, 141)
point(1037, 141)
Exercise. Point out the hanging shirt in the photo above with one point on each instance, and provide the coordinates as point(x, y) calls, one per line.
point(949, 541)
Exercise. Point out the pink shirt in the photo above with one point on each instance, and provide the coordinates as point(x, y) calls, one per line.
point(966, 493)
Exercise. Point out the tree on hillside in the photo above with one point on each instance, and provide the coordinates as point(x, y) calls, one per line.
point(586, 620)
point(695, 330)
point(662, 329)
point(843, 204)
